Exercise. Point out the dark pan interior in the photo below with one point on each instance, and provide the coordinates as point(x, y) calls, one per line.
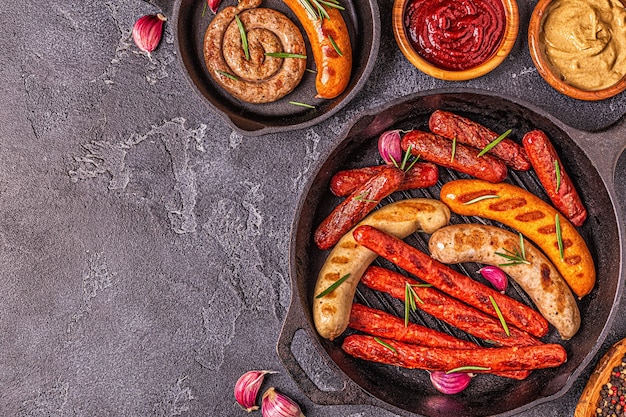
point(409, 392)
point(363, 21)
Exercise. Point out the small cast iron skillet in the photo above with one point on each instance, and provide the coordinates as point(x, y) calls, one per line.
point(590, 159)
point(363, 21)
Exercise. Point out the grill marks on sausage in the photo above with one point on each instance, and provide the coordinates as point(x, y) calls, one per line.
point(530, 216)
point(508, 204)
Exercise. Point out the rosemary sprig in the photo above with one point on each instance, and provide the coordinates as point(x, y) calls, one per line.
point(284, 55)
point(385, 344)
point(481, 198)
point(494, 142)
point(332, 287)
point(244, 38)
point(468, 368)
point(297, 103)
point(204, 8)
point(559, 236)
point(410, 296)
point(405, 159)
point(516, 256)
point(557, 168)
point(226, 74)
point(312, 71)
point(316, 10)
point(332, 42)
point(310, 10)
point(499, 313)
point(453, 149)
point(361, 197)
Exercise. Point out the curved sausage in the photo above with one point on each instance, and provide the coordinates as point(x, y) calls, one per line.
point(333, 68)
point(451, 126)
point(261, 79)
point(450, 281)
point(443, 359)
point(534, 218)
point(539, 279)
point(331, 312)
point(561, 190)
point(356, 206)
point(421, 175)
point(439, 150)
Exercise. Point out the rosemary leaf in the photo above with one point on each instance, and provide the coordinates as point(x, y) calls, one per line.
point(332, 42)
point(412, 163)
point(516, 256)
point(310, 70)
point(481, 198)
point(204, 8)
point(333, 4)
point(361, 197)
point(468, 368)
point(332, 286)
point(244, 38)
point(494, 142)
point(310, 10)
point(297, 103)
point(405, 158)
point(559, 237)
point(387, 345)
point(499, 313)
point(407, 304)
point(284, 55)
point(321, 11)
point(558, 175)
point(453, 149)
point(231, 76)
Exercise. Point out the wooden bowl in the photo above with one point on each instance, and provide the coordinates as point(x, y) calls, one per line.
point(503, 50)
point(551, 74)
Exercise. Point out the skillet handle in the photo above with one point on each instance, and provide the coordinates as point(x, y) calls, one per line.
point(348, 394)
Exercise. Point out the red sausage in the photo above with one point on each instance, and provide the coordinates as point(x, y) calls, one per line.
point(437, 149)
point(450, 281)
point(447, 309)
point(422, 175)
point(450, 125)
point(356, 206)
point(445, 359)
point(542, 157)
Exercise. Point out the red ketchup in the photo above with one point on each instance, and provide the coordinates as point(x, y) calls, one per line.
point(455, 34)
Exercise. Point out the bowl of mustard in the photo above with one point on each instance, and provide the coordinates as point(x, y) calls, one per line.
point(579, 46)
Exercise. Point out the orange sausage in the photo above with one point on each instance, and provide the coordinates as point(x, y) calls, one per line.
point(534, 218)
point(333, 68)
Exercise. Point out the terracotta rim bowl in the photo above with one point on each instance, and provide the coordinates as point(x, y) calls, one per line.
point(549, 73)
point(506, 44)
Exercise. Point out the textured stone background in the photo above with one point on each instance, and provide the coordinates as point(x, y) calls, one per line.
point(143, 242)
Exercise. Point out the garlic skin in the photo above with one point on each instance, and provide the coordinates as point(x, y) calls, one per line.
point(495, 276)
point(389, 147)
point(247, 388)
point(148, 30)
point(213, 5)
point(451, 383)
point(276, 404)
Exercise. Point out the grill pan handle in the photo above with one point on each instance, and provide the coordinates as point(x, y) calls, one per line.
point(350, 394)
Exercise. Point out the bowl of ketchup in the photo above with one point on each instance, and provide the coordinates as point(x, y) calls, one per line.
point(455, 40)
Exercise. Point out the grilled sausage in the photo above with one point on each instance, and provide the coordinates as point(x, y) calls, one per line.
point(560, 188)
point(450, 281)
point(261, 79)
point(451, 126)
point(381, 324)
point(539, 278)
point(445, 359)
point(421, 175)
point(356, 206)
point(334, 65)
point(439, 150)
point(331, 312)
point(447, 309)
point(534, 218)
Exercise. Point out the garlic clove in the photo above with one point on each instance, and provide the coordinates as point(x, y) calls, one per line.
point(495, 276)
point(213, 5)
point(451, 383)
point(247, 388)
point(148, 30)
point(389, 147)
point(276, 404)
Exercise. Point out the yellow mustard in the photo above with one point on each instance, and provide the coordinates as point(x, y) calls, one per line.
point(585, 40)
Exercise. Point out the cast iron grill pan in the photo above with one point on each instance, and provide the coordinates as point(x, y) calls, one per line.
point(409, 392)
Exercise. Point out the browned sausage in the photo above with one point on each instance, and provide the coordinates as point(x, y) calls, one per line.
point(447, 309)
point(561, 191)
point(451, 126)
point(450, 281)
point(445, 359)
point(356, 206)
point(437, 149)
point(421, 175)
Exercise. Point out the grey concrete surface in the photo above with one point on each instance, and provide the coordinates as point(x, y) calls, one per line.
point(144, 243)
